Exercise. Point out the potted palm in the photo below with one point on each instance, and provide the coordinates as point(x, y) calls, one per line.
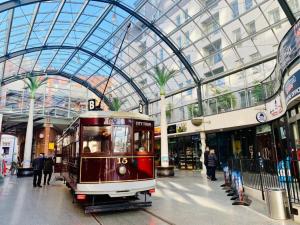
point(32, 84)
point(162, 76)
point(116, 104)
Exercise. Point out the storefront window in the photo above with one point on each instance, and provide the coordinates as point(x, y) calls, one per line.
point(142, 141)
point(121, 139)
point(96, 139)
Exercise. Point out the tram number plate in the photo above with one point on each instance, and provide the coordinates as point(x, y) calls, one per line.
point(122, 160)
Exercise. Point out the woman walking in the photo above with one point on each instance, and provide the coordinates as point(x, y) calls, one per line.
point(212, 164)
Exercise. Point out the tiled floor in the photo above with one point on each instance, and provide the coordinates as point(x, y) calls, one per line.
point(186, 199)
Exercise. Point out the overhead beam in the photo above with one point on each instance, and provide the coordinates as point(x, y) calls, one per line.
point(55, 47)
point(288, 12)
point(13, 4)
point(78, 80)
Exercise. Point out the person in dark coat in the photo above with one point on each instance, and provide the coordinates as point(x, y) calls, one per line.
point(212, 164)
point(206, 153)
point(38, 165)
point(48, 169)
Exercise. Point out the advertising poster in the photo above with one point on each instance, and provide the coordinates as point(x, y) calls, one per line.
point(289, 47)
point(292, 87)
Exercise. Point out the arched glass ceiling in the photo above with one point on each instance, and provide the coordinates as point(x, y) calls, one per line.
point(81, 39)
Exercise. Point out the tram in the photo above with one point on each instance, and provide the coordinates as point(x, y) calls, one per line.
point(107, 160)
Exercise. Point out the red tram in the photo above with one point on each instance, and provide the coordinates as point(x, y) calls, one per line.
point(106, 158)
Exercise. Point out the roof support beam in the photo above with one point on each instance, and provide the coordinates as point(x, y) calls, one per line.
point(84, 83)
point(12, 4)
point(61, 6)
point(36, 10)
point(288, 12)
point(55, 47)
point(88, 35)
point(7, 38)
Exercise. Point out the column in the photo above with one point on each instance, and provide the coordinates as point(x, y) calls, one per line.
point(203, 146)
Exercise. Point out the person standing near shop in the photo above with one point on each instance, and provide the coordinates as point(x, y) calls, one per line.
point(206, 153)
point(48, 169)
point(38, 165)
point(212, 164)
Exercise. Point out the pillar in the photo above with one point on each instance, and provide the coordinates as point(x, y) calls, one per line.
point(203, 146)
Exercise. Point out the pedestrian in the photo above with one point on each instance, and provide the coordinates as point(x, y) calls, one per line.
point(206, 153)
point(13, 167)
point(48, 169)
point(212, 164)
point(38, 165)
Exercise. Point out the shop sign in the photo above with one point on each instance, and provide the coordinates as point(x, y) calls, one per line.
point(51, 146)
point(292, 87)
point(261, 117)
point(266, 128)
point(275, 106)
point(171, 129)
point(156, 131)
point(289, 47)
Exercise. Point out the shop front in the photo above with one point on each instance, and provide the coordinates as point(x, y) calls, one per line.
point(184, 147)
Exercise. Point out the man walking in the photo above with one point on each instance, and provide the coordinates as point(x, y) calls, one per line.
point(38, 165)
point(48, 169)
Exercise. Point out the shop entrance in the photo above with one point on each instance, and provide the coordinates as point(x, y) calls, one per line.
point(185, 152)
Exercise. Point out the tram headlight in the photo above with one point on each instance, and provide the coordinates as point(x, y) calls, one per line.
point(122, 170)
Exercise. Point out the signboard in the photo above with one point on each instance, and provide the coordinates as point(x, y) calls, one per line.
point(292, 87)
point(92, 105)
point(261, 117)
point(275, 106)
point(140, 107)
point(51, 146)
point(289, 47)
point(171, 129)
point(266, 128)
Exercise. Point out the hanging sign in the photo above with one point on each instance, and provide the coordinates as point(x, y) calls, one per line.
point(140, 107)
point(92, 105)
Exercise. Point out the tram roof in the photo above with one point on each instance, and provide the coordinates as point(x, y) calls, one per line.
point(115, 114)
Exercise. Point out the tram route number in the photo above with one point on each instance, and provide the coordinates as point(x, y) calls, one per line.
point(122, 160)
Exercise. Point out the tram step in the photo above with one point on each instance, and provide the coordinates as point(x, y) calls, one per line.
point(116, 206)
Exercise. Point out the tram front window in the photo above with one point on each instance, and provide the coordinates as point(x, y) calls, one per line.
point(96, 139)
point(142, 141)
point(121, 139)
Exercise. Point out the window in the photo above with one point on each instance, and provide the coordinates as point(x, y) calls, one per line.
point(251, 27)
point(274, 16)
point(121, 139)
point(96, 139)
point(5, 150)
point(161, 54)
point(211, 24)
point(235, 8)
point(188, 58)
point(237, 35)
point(179, 42)
point(178, 21)
point(186, 14)
point(248, 4)
point(187, 38)
point(142, 141)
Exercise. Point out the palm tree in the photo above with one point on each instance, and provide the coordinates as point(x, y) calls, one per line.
point(162, 76)
point(116, 104)
point(32, 83)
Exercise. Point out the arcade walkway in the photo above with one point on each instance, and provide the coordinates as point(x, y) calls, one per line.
point(185, 199)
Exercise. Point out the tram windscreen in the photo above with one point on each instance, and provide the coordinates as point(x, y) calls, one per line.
point(121, 139)
point(142, 141)
point(96, 139)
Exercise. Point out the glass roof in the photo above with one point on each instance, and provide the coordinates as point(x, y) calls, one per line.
point(81, 39)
